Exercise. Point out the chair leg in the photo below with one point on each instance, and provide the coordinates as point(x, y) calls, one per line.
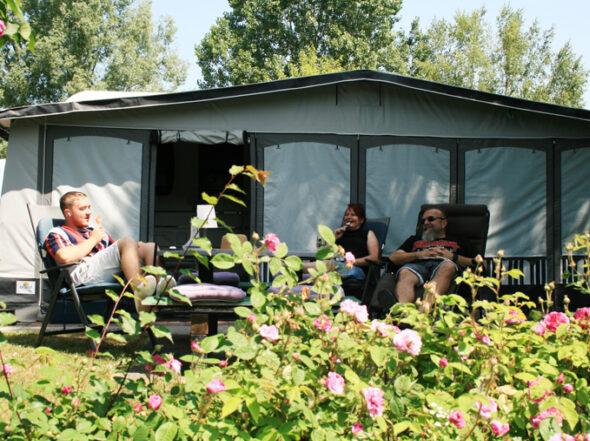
point(80, 311)
point(48, 315)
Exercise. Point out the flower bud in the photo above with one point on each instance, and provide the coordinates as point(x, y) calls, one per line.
point(255, 236)
point(501, 253)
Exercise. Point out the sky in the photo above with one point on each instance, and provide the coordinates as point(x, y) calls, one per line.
point(569, 18)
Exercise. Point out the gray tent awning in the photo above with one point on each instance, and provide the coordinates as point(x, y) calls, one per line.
point(209, 137)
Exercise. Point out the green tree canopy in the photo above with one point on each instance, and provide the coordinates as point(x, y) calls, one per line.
point(89, 44)
point(511, 60)
point(261, 40)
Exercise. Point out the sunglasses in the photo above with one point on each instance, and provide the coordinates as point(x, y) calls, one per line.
point(431, 218)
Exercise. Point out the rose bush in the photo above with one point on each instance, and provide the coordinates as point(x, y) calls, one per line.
point(298, 366)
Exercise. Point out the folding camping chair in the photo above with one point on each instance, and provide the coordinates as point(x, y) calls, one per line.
point(61, 285)
point(464, 220)
point(364, 290)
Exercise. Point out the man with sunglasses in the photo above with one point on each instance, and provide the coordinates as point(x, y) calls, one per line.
point(433, 256)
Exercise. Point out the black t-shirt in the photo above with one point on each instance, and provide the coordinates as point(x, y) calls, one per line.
point(454, 244)
point(355, 241)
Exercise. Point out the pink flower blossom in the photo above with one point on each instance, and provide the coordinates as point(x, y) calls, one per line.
point(532, 384)
point(47, 410)
point(464, 359)
point(323, 323)
point(361, 315)
point(582, 315)
point(554, 319)
point(296, 356)
point(486, 410)
point(271, 333)
point(271, 241)
point(2, 27)
point(349, 259)
point(482, 338)
point(356, 428)
point(560, 379)
point(138, 408)
point(158, 359)
point(223, 363)
point(252, 318)
point(7, 369)
point(174, 365)
point(562, 437)
point(443, 362)
point(356, 310)
point(568, 388)
point(498, 428)
point(195, 347)
point(548, 413)
point(539, 328)
point(155, 401)
point(335, 383)
point(348, 307)
point(456, 417)
point(66, 390)
point(515, 316)
point(384, 329)
point(374, 398)
point(215, 386)
point(409, 341)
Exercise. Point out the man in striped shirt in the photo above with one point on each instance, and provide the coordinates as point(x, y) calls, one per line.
point(95, 255)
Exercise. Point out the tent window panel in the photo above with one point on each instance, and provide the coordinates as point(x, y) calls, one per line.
point(108, 170)
point(400, 178)
point(512, 183)
point(309, 185)
point(575, 204)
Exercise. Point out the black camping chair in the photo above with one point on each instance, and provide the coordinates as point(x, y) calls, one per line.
point(364, 290)
point(62, 287)
point(464, 220)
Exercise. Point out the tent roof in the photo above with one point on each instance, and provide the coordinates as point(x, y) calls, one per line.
point(119, 101)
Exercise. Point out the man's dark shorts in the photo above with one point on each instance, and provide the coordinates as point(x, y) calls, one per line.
point(425, 269)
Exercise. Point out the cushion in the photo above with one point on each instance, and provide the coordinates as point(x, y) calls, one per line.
point(297, 289)
point(219, 278)
point(209, 292)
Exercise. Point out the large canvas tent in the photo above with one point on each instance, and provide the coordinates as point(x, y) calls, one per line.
point(385, 140)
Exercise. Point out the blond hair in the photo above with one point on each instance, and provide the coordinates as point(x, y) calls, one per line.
point(68, 199)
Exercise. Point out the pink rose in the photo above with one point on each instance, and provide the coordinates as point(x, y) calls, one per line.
point(554, 319)
point(195, 347)
point(138, 407)
point(252, 318)
point(384, 329)
point(335, 383)
point(66, 390)
point(548, 413)
point(349, 259)
point(158, 359)
point(562, 437)
point(296, 356)
point(323, 323)
point(374, 398)
point(361, 314)
point(482, 338)
point(155, 401)
point(356, 310)
point(6, 368)
point(174, 365)
point(456, 417)
point(532, 384)
point(223, 363)
point(568, 388)
point(498, 428)
point(582, 315)
point(2, 27)
point(215, 386)
point(560, 379)
point(486, 410)
point(409, 341)
point(539, 328)
point(356, 428)
point(348, 307)
point(271, 333)
point(271, 241)
point(443, 362)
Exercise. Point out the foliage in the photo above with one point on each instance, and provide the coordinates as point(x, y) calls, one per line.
point(299, 366)
point(261, 40)
point(14, 28)
point(512, 61)
point(90, 44)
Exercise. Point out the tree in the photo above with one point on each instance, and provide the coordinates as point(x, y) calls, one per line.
point(512, 61)
point(261, 40)
point(89, 44)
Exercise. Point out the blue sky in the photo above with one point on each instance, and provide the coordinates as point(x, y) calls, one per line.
point(569, 18)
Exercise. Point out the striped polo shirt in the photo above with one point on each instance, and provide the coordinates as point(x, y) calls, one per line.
point(63, 236)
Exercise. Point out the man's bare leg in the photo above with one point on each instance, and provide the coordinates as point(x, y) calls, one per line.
point(405, 289)
point(443, 277)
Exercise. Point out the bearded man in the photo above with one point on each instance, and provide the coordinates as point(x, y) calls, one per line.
point(431, 257)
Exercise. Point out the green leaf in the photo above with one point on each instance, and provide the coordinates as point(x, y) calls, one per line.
point(162, 332)
point(97, 319)
point(312, 308)
point(209, 344)
point(294, 263)
point(166, 432)
point(223, 261)
point(324, 253)
point(379, 355)
point(116, 337)
point(7, 318)
point(402, 385)
point(253, 408)
point(281, 250)
point(327, 234)
point(242, 311)
point(236, 170)
point(230, 406)
point(211, 200)
point(92, 333)
point(234, 199)
point(401, 427)
point(257, 299)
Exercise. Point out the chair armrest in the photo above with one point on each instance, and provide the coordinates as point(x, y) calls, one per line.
point(57, 267)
